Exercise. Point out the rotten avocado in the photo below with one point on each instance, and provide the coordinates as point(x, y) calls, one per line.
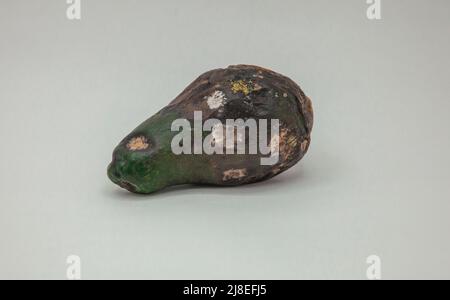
point(145, 161)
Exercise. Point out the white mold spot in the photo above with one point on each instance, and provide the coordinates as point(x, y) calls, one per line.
point(234, 174)
point(216, 100)
point(275, 145)
point(219, 134)
point(304, 145)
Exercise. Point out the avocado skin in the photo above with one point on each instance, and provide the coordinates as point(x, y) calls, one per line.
point(144, 163)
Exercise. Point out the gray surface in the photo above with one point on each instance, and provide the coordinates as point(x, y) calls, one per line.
point(376, 179)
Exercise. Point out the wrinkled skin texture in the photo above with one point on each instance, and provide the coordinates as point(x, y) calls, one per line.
point(144, 162)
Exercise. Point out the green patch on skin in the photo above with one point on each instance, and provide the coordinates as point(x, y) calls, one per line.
point(157, 166)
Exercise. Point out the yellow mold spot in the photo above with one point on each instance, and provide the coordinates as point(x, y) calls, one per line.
point(240, 86)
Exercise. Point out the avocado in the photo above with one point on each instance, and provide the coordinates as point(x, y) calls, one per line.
point(232, 126)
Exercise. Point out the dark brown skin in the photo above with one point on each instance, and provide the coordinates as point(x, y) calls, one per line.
point(144, 163)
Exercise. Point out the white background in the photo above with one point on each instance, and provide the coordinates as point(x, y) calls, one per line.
point(375, 180)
